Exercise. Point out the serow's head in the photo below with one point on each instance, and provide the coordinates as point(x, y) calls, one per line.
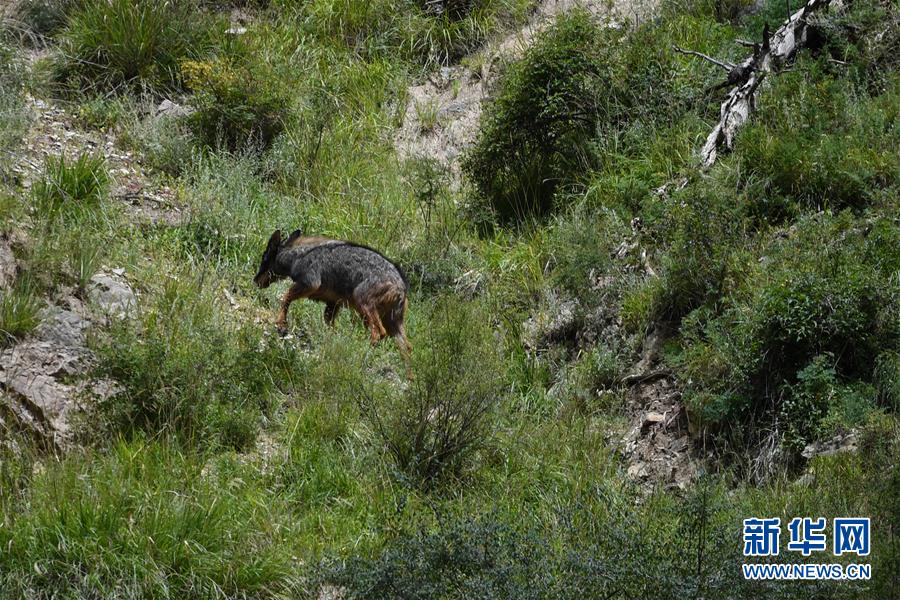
point(266, 275)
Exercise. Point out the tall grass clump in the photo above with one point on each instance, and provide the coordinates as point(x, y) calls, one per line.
point(41, 19)
point(13, 120)
point(435, 429)
point(113, 44)
point(424, 34)
point(19, 310)
point(70, 186)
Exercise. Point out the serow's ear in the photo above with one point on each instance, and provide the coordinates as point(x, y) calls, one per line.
point(275, 240)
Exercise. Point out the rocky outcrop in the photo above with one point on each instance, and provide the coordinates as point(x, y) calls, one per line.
point(44, 381)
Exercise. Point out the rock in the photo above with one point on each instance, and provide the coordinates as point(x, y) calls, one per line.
point(7, 264)
point(658, 448)
point(44, 380)
point(469, 284)
point(556, 323)
point(652, 418)
point(111, 294)
point(332, 592)
point(167, 108)
point(842, 442)
point(35, 375)
point(63, 327)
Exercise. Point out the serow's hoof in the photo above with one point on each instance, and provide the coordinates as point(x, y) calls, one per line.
point(282, 330)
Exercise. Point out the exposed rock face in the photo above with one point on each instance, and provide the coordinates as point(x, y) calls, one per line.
point(167, 108)
point(658, 446)
point(43, 383)
point(557, 323)
point(842, 442)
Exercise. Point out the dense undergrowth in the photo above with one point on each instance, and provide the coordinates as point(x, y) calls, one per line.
point(233, 463)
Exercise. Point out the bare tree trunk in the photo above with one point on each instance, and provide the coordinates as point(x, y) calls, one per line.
point(774, 52)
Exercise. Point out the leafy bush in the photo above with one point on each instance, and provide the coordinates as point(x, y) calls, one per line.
point(660, 551)
point(831, 149)
point(188, 374)
point(705, 229)
point(71, 185)
point(827, 291)
point(578, 82)
point(108, 44)
point(237, 106)
point(582, 245)
point(533, 131)
point(441, 421)
point(818, 405)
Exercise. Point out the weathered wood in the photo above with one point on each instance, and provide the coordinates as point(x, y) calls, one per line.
point(774, 52)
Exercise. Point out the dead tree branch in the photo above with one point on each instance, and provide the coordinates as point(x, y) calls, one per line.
point(725, 65)
point(745, 78)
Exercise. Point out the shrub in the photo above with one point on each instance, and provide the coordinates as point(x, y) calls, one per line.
point(832, 149)
point(108, 44)
point(71, 185)
point(237, 106)
point(582, 246)
point(441, 421)
point(544, 113)
point(43, 18)
point(165, 144)
point(705, 231)
point(827, 291)
point(818, 404)
point(579, 85)
point(602, 550)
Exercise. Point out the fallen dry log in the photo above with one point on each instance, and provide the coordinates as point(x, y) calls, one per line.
point(771, 54)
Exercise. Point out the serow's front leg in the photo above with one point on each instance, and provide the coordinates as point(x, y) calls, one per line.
point(295, 292)
point(331, 313)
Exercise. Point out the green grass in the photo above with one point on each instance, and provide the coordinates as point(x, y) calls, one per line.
point(71, 185)
point(19, 308)
point(233, 463)
point(108, 45)
point(13, 119)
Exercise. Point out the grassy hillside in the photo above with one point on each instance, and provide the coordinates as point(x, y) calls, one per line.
point(231, 462)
